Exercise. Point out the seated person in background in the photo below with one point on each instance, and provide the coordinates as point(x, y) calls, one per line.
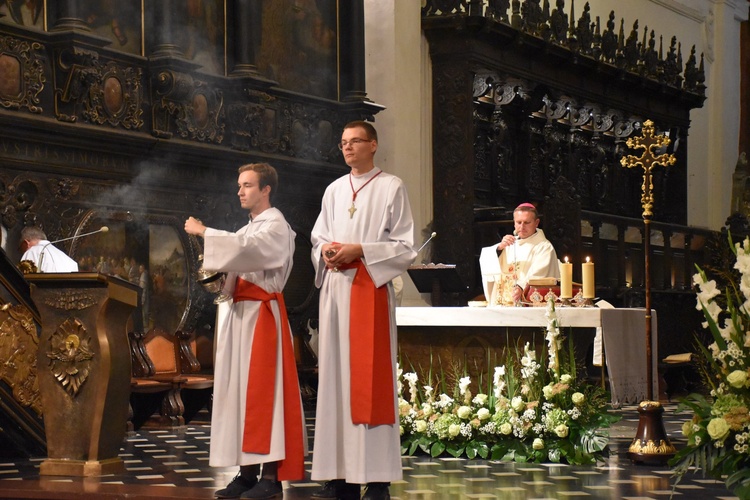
point(45, 256)
point(508, 266)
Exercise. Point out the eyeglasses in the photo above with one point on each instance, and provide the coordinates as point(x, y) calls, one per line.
point(353, 142)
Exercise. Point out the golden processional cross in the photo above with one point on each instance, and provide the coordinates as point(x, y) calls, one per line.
point(651, 443)
point(648, 160)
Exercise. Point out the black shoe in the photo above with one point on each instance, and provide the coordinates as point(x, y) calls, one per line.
point(265, 490)
point(337, 489)
point(377, 491)
point(237, 487)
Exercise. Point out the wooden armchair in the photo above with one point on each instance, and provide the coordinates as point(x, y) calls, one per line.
point(159, 382)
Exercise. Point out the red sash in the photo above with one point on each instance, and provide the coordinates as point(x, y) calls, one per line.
point(370, 365)
point(260, 385)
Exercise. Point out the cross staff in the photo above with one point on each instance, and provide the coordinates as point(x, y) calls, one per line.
point(648, 160)
point(648, 141)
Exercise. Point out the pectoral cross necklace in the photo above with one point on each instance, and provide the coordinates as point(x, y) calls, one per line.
point(353, 209)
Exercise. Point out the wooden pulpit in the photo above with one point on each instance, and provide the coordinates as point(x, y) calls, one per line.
point(83, 365)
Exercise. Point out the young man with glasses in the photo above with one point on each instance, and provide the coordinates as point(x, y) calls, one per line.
point(362, 240)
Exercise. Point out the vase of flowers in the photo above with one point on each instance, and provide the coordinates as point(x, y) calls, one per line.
point(532, 409)
point(718, 433)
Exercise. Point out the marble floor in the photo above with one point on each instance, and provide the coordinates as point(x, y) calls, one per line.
point(167, 464)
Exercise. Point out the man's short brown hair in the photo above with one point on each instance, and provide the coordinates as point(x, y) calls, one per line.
point(267, 175)
point(527, 207)
point(372, 134)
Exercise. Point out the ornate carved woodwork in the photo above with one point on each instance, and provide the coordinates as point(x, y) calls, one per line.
point(21, 73)
point(553, 95)
point(120, 123)
point(18, 348)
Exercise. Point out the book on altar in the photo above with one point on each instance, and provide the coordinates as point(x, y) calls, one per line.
point(683, 357)
point(543, 281)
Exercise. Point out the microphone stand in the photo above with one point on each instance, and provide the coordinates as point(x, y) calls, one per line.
point(515, 266)
point(426, 242)
point(102, 229)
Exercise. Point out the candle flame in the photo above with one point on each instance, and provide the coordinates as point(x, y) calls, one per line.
point(566, 259)
point(588, 259)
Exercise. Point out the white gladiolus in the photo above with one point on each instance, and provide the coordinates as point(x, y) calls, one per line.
point(463, 385)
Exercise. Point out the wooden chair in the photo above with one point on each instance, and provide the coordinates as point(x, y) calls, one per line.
point(159, 382)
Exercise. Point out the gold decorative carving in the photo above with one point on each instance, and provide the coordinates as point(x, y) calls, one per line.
point(18, 351)
point(108, 92)
point(22, 70)
point(70, 299)
point(652, 448)
point(115, 97)
point(70, 355)
point(193, 107)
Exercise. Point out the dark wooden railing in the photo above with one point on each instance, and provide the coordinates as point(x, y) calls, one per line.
point(615, 245)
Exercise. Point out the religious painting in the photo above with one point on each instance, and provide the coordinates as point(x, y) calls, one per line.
point(146, 251)
point(28, 13)
point(299, 46)
point(117, 20)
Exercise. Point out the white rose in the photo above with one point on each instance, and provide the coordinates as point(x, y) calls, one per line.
point(427, 409)
point(454, 430)
point(421, 426)
point(737, 379)
point(566, 379)
point(547, 391)
point(480, 399)
point(464, 412)
point(577, 398)
point(483, 414)
point(718, 429)
point(561, 430)
point(506, 428)
point(517, 404)
point(538, 444)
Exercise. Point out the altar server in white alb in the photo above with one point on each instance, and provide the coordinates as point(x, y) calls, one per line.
point(46, 257)
point(362, 240)
point(257, 417)
point(508, 266)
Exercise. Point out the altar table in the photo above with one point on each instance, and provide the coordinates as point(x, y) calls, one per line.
point(623, 334)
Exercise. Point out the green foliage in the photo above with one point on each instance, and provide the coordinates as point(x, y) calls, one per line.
point(718, 432)
point(529, 412)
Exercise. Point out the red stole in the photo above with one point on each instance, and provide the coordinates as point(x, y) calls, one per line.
point(371, 372)
point(260, 385)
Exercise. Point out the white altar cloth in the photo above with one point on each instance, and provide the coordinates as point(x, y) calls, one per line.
point(623, 332)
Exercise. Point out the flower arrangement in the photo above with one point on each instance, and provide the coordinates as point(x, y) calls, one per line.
point(719, 432)
point(529, 413)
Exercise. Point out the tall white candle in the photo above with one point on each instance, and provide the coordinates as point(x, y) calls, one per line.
point(566, 280)
point(587, 273)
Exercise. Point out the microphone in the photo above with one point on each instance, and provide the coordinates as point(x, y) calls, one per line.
point(102, 229)
point(434, 234)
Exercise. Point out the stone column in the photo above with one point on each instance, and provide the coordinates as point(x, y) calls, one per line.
point(69, 14)
point(352, 40)
point(164, 44)
point(246, 24)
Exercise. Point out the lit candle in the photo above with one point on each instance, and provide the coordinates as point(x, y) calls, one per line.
point(566, 280)
point(587, 272)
